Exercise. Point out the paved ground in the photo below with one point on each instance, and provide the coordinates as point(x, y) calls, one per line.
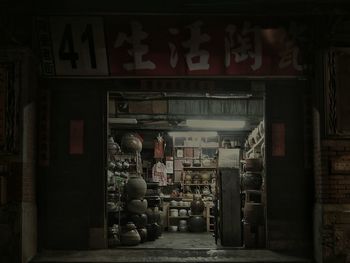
point(171, 247)
point(166, 255)
point(182, 241)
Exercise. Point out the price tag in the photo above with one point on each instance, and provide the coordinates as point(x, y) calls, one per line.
point(79, 45)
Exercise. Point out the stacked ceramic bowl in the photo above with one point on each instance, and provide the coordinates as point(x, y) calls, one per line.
point(153, 212)
point(136, 205)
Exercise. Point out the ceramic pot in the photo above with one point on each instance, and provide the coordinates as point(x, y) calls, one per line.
point(136, 187)
point(143, 234)
point(183, 228)
point(188, 177)
point(253, 165)
point(137, 206)
point(140, 220)
point(205, 176)
point(251, 181)
point(182, 212)
point(130, 237)
point(253, 213)
point(151, 232)
point(174, 212)
point(131, 143)
point(152, 185)
point(153, 215)
point(173, 203)
point(153, 201)
point(197, 205)
point(159, 229)
point(173, 228)
point(196, 223)
point(182, 222)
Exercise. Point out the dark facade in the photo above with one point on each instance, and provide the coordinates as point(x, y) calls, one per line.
point(53, 199)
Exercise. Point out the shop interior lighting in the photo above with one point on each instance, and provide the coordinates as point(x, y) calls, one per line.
point(193, 134)
point(219, 124)
point(123, 120)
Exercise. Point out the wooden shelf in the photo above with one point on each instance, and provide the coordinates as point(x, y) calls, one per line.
point(198, 184)
point(201, 168)
point(179, 206)
point(178, 216)
point(208, 147)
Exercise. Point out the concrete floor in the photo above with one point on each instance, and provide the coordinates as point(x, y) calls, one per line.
point(170, 247)
point(166, 255)
point(179, 240)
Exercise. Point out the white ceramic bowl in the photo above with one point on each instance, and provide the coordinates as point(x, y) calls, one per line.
point(173, 228)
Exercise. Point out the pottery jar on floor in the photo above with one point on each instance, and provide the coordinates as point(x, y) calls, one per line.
point(137, 206)
point(197, 205)
point(131, 143)
point(130, 237)
point(136, 187)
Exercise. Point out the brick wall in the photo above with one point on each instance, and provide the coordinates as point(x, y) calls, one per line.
point(332, 185)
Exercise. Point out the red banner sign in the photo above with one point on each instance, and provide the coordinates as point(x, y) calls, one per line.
point(172, 46)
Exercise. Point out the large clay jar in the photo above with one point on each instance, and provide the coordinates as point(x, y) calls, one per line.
point(253, 165)
point(140, 220)
point(196, 223)
point(197, 205)
point(251, 181)
point(152, 232)
point(137, 206)
point(205, 177)
point(153, 215)
point(130, 237)
point(136, 187)
point(143, 234)
point(153, 201)
point(253, 213)
point(131, 143)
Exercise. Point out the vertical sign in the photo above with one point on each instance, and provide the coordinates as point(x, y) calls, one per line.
point(278, 139)
point(79, 45)
point(76, 137)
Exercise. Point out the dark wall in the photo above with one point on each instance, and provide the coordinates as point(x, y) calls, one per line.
point(289, 177)
point(73, 187)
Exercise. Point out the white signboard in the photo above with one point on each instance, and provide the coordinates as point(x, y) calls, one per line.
point(79, 45)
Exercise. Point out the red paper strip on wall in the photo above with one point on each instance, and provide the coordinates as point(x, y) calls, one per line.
point(76, 138)
point(278, 139)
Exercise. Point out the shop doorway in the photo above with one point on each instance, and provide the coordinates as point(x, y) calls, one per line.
point(202, 157)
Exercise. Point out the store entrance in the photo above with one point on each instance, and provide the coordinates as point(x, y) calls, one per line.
point(185, 170)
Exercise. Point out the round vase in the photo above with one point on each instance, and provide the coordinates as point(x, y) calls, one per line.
point(251, 181)
point(196, 223)
point(137, 206)
point(131, 143)
point(130, 237)
point(197, 205)
point(136, 187)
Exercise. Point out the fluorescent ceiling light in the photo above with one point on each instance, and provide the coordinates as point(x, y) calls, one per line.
point(193, 134)
point(218, 124)
point(123, 120)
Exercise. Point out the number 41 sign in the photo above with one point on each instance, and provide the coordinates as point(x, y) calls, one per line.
point(78, 45)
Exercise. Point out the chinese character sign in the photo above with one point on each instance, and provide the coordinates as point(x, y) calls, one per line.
point(177, 46)
point(164, 46)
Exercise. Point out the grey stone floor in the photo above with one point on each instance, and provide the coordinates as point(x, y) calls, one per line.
point(181, 241)
point(170, 247)
point(163, 256)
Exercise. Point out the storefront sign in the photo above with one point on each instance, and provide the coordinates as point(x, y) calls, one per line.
point(169, 46)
